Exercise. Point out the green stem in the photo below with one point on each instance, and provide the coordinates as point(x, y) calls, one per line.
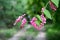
point(47, 4)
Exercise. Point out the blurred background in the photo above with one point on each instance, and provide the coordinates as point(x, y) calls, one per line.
point(11, 9)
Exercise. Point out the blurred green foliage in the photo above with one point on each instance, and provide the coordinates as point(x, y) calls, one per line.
point(53, 34)
point(10, 10)
point(33, 31)
point(7, 33)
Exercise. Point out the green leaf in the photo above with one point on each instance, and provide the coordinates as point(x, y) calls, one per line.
point(38, 17)
point(56, 2)
point(37, 22)
point(47, 13)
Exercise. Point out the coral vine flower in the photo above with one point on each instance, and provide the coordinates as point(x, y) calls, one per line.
point(41, 25)
point(23, 22)
point(36, 26)
point(34, 19)
point(33, 23)
point(53, 7)
point(18, 19)
point(43, 18)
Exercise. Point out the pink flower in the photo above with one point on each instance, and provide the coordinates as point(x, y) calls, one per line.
point(33, 22)
point(35, 25)
point(23, 22)
point(53, 7)
point(34, 19)
point(18, 19)
point(39, 27)
point(43, 18)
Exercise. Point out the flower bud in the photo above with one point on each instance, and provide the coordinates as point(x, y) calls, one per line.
point(43, 9)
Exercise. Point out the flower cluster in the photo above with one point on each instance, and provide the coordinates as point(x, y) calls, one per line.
point(23, 20)
point(53, 7)
point(35, 19)
point(32, 21)
point(19, 19)
point(35, 25)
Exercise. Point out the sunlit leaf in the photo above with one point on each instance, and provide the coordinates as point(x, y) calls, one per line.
point(47, 13)
point(56, 2)
point(38, 17)
point(37, 22)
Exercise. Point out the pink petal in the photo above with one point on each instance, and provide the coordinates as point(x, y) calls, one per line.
point(23, 22)
point(52, 6)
